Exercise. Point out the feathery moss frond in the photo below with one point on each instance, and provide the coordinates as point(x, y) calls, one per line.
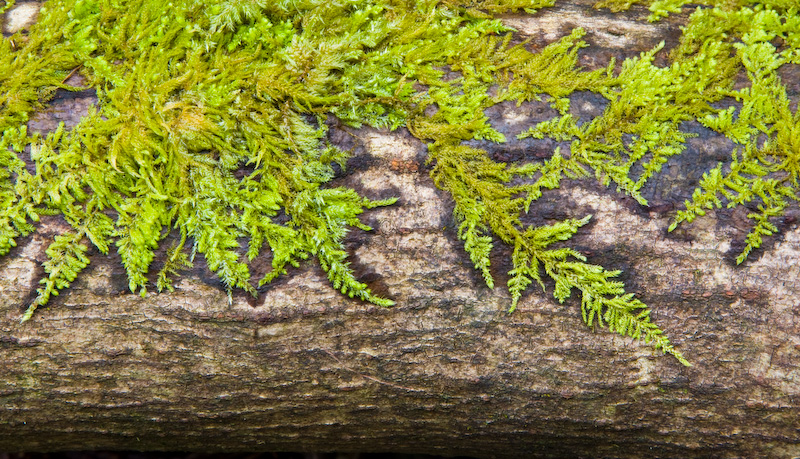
point(66, 258)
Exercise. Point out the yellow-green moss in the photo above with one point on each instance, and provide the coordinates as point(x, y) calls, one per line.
point(191, 92)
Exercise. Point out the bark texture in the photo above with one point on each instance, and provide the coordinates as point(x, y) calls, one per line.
point(447, 370)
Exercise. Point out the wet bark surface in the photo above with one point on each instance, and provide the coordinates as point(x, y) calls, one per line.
point(447, 370)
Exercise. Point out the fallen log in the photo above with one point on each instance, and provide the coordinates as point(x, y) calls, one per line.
point(446, 370)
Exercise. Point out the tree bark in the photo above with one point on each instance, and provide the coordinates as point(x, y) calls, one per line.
point(447, 370)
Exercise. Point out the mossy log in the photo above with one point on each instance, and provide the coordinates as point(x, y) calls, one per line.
point(447, 370)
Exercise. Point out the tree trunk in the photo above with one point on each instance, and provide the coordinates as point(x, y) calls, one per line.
point(447, 370)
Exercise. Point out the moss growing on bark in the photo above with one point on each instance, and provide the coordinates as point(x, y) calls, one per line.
point(191, 93)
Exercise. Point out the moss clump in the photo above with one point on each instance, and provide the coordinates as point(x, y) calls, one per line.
point(718, 44)
point(192, 92)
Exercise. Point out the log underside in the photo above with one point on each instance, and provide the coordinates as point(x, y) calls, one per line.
point(447, 370)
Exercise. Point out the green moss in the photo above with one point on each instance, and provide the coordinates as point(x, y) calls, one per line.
point(192, 92)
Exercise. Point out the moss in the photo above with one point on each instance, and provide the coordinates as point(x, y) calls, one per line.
point(190, 93)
